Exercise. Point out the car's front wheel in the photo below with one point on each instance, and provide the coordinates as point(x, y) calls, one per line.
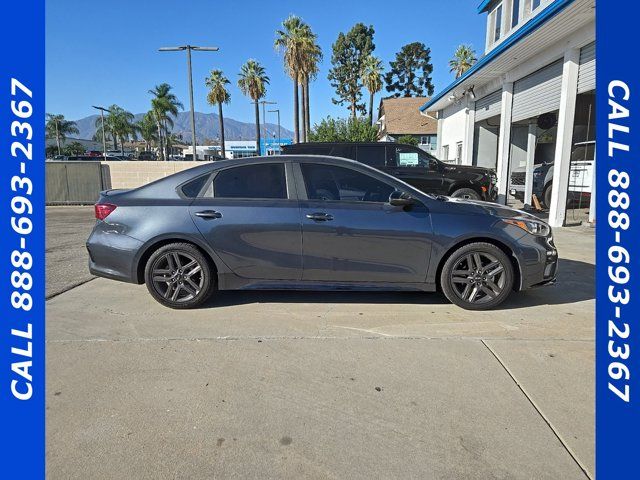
point(468, 193)
point(477, 276)
point(178, 275)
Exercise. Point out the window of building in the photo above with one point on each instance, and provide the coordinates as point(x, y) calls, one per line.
point(497, 28)
point(458, 152)
point(331, 183)
point(445, 152)
point(535, 4)
point(424, 140)
point(515, 13)
point(264, 180)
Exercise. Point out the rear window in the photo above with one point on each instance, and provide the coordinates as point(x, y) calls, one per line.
point(265, 180)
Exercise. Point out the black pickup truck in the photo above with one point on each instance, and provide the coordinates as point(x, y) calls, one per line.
point(412, 165)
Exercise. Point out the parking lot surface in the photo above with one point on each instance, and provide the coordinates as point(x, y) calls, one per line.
point(316, 384)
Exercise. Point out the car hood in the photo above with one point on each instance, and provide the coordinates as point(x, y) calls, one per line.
point(464, 205)
point(468, 169)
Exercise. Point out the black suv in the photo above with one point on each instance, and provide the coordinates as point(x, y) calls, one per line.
point(412, 165)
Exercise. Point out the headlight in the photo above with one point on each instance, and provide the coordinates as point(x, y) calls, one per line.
point(532, 226)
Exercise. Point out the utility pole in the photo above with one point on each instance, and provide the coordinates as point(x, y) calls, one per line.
point(104, 138)
point(188, 48)
point(264, 122)
point(277, 110)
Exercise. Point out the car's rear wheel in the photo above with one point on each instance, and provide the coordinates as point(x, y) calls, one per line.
point(178, 275)
point(477, 276)
point(468, 193)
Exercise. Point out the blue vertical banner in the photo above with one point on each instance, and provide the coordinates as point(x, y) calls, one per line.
point(617, 243)
point(22, 231)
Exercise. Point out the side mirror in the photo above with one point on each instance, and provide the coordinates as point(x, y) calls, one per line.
point(400, 199)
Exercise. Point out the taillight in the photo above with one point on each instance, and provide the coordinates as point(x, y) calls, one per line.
point(103, 210)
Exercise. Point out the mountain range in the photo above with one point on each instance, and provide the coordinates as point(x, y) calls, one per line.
point(207, 127)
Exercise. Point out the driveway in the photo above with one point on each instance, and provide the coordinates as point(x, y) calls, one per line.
point(317, 385)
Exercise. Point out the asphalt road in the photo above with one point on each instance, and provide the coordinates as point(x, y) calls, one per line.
point(317, 385)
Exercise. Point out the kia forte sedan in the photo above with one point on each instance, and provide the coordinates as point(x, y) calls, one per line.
point(313, 222)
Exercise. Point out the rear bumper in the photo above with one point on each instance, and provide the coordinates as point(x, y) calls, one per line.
point(112, 254)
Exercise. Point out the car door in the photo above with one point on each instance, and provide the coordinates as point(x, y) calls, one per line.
point(250, 217)
point(350, 233)
point(412, 165)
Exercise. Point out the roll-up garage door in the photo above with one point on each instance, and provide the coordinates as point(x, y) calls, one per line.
point(488, 106)
point(587, 69)
point(537, 93)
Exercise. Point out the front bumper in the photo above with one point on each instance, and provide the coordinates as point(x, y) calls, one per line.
point(540, 268)
point(112, 254)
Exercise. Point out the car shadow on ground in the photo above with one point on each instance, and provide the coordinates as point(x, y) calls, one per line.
point(576, 283)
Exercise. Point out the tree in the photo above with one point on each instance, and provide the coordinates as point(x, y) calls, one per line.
point(301, 55)
point(253, 83)
point(119, 123)
point(165, 106)
point(463, 59)
point(57, 127)
point(349, 52)
point(410, 73)
point(147, 128)
point(73, 148)
point(408, 140)
point(371, 75)
point(217, 95)
point(344, 130)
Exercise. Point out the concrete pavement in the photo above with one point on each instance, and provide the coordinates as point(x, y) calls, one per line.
point(322, 385)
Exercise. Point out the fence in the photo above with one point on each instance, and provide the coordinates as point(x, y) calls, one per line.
point(81, 182)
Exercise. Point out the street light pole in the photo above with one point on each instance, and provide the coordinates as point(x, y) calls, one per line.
point(188, 48)
point(104, 138)
point(264, 122)
point(277, 110)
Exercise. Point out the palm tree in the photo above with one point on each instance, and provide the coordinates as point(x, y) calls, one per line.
point(147, 128)
point(120, 125)
point(218, 94)
point(164, 105)
point(312, 56)
point(57, 127)
point(253, 83)
point(463, 58)
point(290, 40)
point(371, 75)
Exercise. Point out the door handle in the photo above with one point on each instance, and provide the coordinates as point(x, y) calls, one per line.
point(208, 214)
point(320, 217)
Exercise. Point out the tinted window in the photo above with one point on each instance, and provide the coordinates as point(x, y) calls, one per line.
point(327, 182)
point(409, 157)
point(192, 189)
point(372, 155)
point(251, 181)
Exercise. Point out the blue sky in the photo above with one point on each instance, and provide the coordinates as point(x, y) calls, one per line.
point(104, 53)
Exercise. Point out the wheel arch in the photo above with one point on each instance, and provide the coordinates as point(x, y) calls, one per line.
point(152, 245)
point(508, 251)
point(465, 184)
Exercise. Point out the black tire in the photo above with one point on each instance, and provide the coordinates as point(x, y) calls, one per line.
point(546, 196)
point(468, 193)
point(188, 279)
point(461, 275)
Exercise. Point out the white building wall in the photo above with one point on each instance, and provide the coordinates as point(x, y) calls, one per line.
point(453, 130)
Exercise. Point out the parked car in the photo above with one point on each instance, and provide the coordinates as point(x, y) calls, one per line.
point(147, 156)
point(310, 222)
point(412, 165)
point(581, 171)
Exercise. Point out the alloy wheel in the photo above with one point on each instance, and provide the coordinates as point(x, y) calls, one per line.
point(478, 277)
point(177, 276)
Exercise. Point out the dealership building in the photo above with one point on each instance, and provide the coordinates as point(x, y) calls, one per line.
point(526, 108)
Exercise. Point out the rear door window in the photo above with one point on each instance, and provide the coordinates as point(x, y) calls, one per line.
point(259, 181)
point(372, 155)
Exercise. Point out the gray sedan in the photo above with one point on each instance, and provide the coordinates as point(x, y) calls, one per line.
point(312, 222)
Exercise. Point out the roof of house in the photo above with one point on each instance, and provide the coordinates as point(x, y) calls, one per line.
point(402, 116)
